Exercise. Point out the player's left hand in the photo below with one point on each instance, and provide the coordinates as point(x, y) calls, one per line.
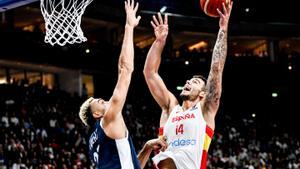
point(157, 144)
point(225, 15)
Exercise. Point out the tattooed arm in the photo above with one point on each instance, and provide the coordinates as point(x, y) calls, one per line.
point(214, 81)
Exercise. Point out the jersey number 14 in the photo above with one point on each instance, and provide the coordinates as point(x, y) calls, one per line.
point(179, 129)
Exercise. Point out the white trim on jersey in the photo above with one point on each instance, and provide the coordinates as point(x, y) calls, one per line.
point(124, 151)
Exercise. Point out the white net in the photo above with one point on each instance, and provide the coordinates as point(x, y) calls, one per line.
point(62, 21)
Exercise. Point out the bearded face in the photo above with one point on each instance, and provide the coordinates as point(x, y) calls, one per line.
point(192, 89)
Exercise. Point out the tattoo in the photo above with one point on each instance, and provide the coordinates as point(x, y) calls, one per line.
point(214, 81)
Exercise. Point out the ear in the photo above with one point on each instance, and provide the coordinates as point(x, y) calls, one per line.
point(202, 95)
point(96, 114)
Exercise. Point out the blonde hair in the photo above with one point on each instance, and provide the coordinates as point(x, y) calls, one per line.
point(84, 110)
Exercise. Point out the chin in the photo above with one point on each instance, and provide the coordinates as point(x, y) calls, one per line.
point(184, 96)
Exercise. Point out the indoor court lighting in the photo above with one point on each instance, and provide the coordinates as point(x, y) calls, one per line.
point(198, 45)
point(87, 51)
point(163, 9)
point(274, 94)
point(179, 88)
point(186, 62)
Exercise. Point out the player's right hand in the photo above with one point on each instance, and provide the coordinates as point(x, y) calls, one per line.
point(160, 26)
point(131, 9)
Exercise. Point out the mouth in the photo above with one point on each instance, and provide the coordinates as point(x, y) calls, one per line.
point(186, 88)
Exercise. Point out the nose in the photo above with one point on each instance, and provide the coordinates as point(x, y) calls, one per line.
point(100, 100)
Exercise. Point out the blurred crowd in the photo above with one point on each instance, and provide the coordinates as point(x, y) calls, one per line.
point(40, 128)
point(248, 146)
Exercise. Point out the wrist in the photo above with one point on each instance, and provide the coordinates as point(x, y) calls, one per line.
point(161, 40)
point(127, 26)
point(224, 28)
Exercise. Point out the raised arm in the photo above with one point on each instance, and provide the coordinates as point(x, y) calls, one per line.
point(214, 81)
point(126, 64)
point(157, 87)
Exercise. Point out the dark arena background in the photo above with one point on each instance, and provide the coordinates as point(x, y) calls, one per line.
point(43, 86)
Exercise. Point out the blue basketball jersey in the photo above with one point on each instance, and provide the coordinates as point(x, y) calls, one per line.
point(109, 153)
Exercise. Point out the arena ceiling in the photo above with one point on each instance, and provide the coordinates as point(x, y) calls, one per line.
point(251, 19)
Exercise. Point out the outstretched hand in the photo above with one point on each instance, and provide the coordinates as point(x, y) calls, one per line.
point(131, 19)
point(224, 17)
point(160, 26)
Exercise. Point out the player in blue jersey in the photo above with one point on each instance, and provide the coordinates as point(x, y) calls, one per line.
point(110, 146)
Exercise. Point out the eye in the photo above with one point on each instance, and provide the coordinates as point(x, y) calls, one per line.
point(196, 81)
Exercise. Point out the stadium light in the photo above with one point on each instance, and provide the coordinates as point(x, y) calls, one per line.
point(179, 88)
point(87, 51)
point(163, 9)
point(274, 94)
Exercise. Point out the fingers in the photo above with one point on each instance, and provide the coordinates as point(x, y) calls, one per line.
point(227, 8)
point(224, 8)
point(230, 7)
point(220, 13)
point(138, 19)
point(131, 4)
point(155, 20)
point(166, 19)
point(159, 145)
point(126, 5)
point(160, 19)
point(163, 144)
point(153, 25)
point(136, 7)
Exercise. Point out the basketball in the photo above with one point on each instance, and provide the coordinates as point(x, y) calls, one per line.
point(209, 7)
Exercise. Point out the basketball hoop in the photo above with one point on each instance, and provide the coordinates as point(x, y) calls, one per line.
point(62, 21)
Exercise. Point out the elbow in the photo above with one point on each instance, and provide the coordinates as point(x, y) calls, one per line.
point(146, 69)
point(126, 66)
point(148, 72)
point(128, 69)
point(116, 98)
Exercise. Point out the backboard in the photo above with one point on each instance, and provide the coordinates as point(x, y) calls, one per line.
point(10, 4)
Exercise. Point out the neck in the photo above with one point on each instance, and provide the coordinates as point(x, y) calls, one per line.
point(186, 104)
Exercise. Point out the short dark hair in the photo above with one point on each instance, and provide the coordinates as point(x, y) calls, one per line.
point(200, 77)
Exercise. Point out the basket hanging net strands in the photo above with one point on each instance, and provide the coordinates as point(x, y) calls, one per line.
point(62, 21)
